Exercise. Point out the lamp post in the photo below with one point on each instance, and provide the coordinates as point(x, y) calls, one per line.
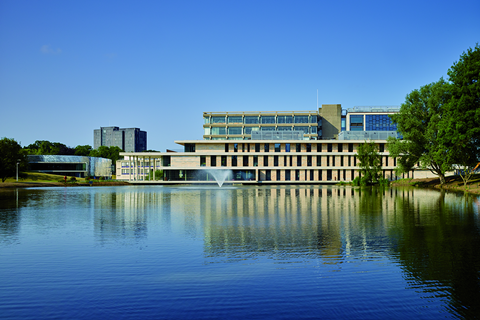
point(18, 162)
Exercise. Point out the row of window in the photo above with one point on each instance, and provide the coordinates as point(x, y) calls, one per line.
point(261, 119)
point(288, 161)
point(248, 130)
point(309, 147)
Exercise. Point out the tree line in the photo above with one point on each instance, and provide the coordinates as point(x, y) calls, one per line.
point(440, 122)
point(12, 153)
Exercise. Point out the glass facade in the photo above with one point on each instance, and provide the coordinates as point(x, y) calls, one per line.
point(379, 122)
point(356, 123)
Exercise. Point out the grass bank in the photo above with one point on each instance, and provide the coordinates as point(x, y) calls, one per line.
point(36, 179)
point(454, 183)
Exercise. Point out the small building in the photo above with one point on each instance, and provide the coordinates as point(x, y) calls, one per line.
point(76, 166)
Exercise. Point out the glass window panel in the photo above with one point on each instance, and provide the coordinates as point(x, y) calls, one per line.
point(301, 119)
point(284, 128)
point(313, 119)
point(218, 119)
point(235, 119)
point(207, 131)
point(235, 130)
point(304, 129)
point(267, 119)
point(281, 119)
point(251, 120)
point(206, 120)
point(313, 130)
point(248, 130)
point(218, 130)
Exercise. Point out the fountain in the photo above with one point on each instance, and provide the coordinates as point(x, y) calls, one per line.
point(220, 175)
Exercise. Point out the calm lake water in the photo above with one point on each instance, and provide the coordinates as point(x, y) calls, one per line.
point(238, 253)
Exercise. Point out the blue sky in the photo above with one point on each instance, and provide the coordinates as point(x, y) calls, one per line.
point(69, 67)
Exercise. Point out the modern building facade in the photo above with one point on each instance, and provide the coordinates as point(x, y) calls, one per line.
point(272, 147)
point(127, 139)
point(326, 123)
point(76, 166)
point(261, 161)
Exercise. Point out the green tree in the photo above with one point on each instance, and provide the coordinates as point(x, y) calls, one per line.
point(43, 147)
point(11, 153)
point(83, 150)
point(462, 121)
point(419, 121)
point(370, 163)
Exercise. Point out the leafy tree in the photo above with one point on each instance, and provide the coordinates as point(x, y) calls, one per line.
point(420, 123)
point(83, 150)
point(43, 147)
point(462, 121)
point(10, 153)
point(370, 163)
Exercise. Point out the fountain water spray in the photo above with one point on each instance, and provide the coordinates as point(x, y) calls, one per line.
point(220, 175)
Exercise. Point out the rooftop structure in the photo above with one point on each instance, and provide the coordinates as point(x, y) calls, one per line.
point(323, 124)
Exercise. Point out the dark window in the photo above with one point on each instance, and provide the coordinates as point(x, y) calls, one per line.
point(268, 175)
point(265, 161)
point(341, 161)
point(248, 147)
point(203, 161)
point(333, 161)
point(340, 147)
point(213, 161)
point(277, 147)
point(189, 147)
point(309, 161)
point(297, 175)
point(350, 147)
point(309, 147)
point(245, 161)
point(275, 161)
point(319, 147)
point(329, 175)
point(287, 175)
point(298, 147)
point(328, 161)
point(329, 147)
point(299, 161)
point(226, 147)
point(319, 161)
point(287, 147)
point(354, 161)
point(278, 175)
point(235, 147)
point(257, 147)
point(266, 147)
point(311, 175)
point(382, 147)
point(234, 161)
point(255, 161)
point(224, 161)
point(320, 175)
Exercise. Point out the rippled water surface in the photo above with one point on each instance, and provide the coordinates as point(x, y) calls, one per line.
point(238, 252)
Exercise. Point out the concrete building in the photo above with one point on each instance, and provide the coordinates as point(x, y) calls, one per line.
point(127, 139)
point(256, 161)
point(326, 123)
point(272, 147)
